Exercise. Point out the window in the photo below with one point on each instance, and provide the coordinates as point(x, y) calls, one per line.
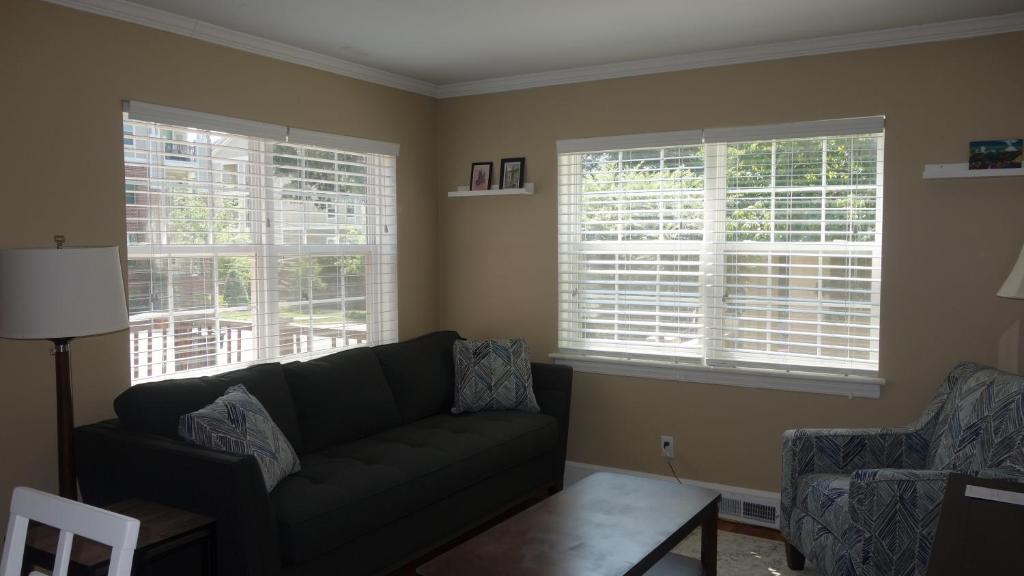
point(235, 251)
point(754, 248)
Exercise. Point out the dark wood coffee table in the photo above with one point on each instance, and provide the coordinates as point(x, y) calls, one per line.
point(604, 525)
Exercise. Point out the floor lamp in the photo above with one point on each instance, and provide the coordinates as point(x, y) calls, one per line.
point(58, 294)
point(1011, 343)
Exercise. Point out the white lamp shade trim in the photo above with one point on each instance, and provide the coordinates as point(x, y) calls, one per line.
point(49, 293)
point(1014, 285)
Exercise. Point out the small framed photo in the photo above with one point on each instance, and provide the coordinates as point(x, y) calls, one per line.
point(995, 154)
point(513, 172)
point(480, 176)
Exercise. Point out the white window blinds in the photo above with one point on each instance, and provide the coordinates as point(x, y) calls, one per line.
point(756, 247)
point(246, 248)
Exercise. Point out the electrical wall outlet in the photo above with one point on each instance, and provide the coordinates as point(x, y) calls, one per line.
point(668, 447)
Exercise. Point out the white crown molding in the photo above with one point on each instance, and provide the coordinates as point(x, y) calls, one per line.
point(169, 22)
point(924, 33)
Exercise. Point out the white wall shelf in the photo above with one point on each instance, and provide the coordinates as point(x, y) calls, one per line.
point(525, 190)
point(932, 171)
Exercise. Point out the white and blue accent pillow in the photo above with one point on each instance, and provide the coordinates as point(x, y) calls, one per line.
point(237, 423)
point(493, 375)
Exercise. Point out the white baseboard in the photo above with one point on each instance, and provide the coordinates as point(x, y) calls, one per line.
point(747, 499)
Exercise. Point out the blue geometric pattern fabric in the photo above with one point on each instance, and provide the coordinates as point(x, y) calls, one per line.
point(493, 375)
point(237, 423)
point(867, 502)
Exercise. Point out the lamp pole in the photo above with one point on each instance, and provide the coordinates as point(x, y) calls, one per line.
point(65, 419)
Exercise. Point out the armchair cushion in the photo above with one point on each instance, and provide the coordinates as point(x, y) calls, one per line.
point(894, 514)
point(826, 498)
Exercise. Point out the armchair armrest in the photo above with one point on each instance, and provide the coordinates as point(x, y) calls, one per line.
point(115, 463)
point(894, 514)
point(552, 386)
point(842, 451)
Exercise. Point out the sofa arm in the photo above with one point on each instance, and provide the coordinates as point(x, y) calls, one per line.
point(115, 463)
point(552, 385)
point(894, 515)
point(842, 451)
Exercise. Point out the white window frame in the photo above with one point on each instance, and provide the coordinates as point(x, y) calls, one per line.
point(265, 304)
point(707, 369)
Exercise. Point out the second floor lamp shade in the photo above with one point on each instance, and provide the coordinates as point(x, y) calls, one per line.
point(1013, 287)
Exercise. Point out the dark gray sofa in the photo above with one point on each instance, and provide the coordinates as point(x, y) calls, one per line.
point(388, 473)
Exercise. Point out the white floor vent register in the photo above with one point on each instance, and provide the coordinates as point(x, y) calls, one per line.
point(743, 508)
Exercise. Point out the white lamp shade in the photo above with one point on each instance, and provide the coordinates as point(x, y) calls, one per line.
point(61, 293)
point(1014, 285)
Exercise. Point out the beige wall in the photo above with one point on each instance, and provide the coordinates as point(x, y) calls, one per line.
point(63, 74)
point(948, 244)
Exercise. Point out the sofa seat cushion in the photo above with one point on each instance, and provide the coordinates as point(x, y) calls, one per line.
point(826, 498)
point(350, 489)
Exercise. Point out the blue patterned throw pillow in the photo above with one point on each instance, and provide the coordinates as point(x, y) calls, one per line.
point(493, 375)
point(237, 423)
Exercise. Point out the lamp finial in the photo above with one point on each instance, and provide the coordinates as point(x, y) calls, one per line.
point(59, 239)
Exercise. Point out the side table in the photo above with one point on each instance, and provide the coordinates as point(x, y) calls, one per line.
point(171, 541)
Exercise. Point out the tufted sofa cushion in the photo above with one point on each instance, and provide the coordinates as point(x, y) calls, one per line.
point(981, 423)
point(351, 489)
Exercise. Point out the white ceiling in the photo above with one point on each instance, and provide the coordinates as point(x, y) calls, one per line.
point(449, 41)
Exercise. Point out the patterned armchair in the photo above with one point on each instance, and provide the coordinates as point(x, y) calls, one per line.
point(866, 502)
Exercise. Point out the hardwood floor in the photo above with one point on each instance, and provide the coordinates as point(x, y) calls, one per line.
point(748, 530)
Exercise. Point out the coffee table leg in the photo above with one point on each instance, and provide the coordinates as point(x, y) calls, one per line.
point(709, 543)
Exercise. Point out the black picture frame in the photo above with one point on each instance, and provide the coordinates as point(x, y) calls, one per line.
point(513, 172)
point(485, 167)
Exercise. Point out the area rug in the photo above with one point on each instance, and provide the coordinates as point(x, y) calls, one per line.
point(742, 555)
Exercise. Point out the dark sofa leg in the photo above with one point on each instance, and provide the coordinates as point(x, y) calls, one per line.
point(794, 558)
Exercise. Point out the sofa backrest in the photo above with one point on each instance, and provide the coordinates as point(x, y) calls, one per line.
point(156, 406)
point(421, 373)
point(320, 402)
point(341, 397)
point(980, 423)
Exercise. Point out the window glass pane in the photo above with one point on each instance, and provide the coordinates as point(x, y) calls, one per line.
point(221, 272)
point(322, 303)
point(778, 263)
point(321, 196)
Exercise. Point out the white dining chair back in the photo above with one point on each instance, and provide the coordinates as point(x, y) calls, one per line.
point(72, 518)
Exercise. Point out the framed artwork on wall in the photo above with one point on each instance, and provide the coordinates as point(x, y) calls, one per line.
point(996, 154)
point(513, 172)
point(480, 176)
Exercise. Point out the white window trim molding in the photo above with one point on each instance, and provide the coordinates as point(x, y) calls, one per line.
point(850, 386)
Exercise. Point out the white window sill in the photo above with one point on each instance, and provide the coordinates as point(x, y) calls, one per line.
point(849, 386)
